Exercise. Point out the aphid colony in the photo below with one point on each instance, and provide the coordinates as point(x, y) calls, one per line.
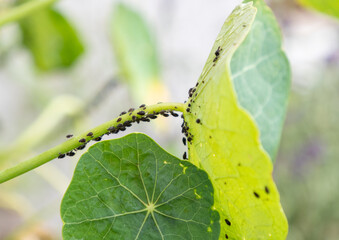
point(140, 116)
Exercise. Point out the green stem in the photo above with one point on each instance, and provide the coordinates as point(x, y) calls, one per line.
point(24, 10)
point(74, 143)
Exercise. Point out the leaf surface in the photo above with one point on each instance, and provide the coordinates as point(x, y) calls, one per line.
point(261, 77)
point(51, 39)
point(226, 144)
point(130, 188)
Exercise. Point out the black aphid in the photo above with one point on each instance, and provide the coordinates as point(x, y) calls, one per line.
point(111, 129)
point(184, 141)
point(226, 236)
point(189, 105)
point(227, 222)
point(267, 190)
point(61, 155)
point(134, 118)
point(71, 153)
point(165, 114)
point(145, 119)
point(217, 53)
point(131, 110)
point(188, 109)
point(127, 123)
point(174, 114)
point(197, 84)
point(81, 147)
point(98, 139)
point(82, 140)
point(142, 105)
point(256, 195)
point(189, 139)
point(152, 116)
point(90, 134)
point(69, 135)
point(198, 120)
point(141, 113)
point(120, 126)
point(184, 156)
point(119, 119)
point(122, 113)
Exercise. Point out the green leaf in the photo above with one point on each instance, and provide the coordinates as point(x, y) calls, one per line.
point(329, 7)
point(51, 39)
point(261, 77)
point(130, 188)
point(135, 51)
point(226, 144)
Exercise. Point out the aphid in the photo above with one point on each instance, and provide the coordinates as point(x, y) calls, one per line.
point(142, 105)
point(61, 155)
point(197, 84)
point(119, 119)
point(122, 113)
point(69, 135)
point(189, 105)
point(111, 129)
point(188, 110)
point(134, 118)
point(267, 190)
point(217, 53)
point(131, 110)
point(120, 126)
point(127, 124)
point(82, 140)
point(226, 236)
point(144, 119)
point(256, 195)
point(141, 113)
point(198, 120)
point(71, 153)
point(97, 139)
point(184, 141)
point(90, 134)
point(152, 116)
point(165, 115)
point(244, 25)
point(174, 114)
point(184, 156)
point(227, 222)
point(81, 147)
point(189, 139)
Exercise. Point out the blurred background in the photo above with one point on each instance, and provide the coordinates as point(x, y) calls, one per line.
point(108, 57)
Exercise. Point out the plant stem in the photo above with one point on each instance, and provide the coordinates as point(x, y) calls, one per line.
point(24, 10)
point(74, 143)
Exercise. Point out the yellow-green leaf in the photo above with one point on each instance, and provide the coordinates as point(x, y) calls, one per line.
point(226, 144)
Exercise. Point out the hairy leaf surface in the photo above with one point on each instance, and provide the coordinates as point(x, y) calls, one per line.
point(261, 77)
point(130, 188)
point(226, 144)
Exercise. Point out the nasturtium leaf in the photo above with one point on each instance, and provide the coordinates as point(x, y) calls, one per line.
point(136, 54)
point(130, 188)
point(329, 7)
point(225, 143)
point(51, 39)
point(261, 77)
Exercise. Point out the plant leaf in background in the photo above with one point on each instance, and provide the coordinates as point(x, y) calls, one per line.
point(130, 188)
point(329, 7)
point(227, 146)
point(261, 77)
point(136, 55)
point(51, 39)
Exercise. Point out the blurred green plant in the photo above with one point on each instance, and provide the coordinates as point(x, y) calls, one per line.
point(329, 7)
point(136, 55)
